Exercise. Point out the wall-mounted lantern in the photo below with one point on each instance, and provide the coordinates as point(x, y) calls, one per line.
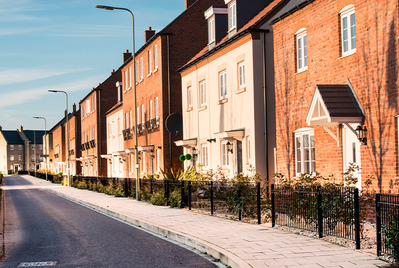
point(361, 133)
point(229, 146)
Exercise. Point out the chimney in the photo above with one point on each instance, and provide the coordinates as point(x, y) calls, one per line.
point(74, 108)
point(126, 55)
point(21, 128)
point(148, 34)
point(1, 128)
point(188, 3)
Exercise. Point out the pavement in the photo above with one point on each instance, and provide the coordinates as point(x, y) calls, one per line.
point(235, 244)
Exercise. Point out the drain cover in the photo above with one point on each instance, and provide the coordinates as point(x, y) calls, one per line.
point(38, 264)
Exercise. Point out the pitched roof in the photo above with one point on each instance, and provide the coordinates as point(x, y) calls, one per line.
point(12, 137)
point(291, 7)
point(253, 24)
point(34, 136)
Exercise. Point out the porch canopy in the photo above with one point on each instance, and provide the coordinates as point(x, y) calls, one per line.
point(333, 105)
point(188, 143)
point(236, 134)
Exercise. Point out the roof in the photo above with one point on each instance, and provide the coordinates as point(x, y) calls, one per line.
point(12, 137)
point(34, 136)
point(252, 25)
point(116, 106)
point(291, 7)
point(334, 104)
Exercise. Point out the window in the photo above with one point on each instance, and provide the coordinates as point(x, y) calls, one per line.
point(223, 85)
point(141, 69)
point(126, 120)
point(149, 62)
point(119, 127)
point(348, 30)
point(11, 158)
point(305, 152)
point(150, 108)
point(87, 106)
point(33, 147)
point(130, 78)
point(137, 70)
point(20, 157)
point(189, 97)
point(12, 147)
point(204, 154)
point(142, 114)
point(301, 50)
point(32, 157)
point(202, 92)
point(156, 108)
point(19, 147)
point(241, 75)
point(232, 15)
point(248, 149)
point(155, 58)
point(126, 80)
point(138, 115)
point(158, 159)
point(225, 155)
point(40, 147)
point(211, 30)
point(130, 119)
point(143, 155)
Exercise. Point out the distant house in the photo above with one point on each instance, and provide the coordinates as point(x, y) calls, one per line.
point(228, 91)
point(337, 68)
point(20, 150)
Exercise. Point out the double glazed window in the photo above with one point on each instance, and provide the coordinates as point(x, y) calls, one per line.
point(301, 50)
point(225, 155)
point(223, 85)
point(211, 30)
point(232, 10)
point(348, 30)
point(204, 154)
point(305, 161)
point(202, 93)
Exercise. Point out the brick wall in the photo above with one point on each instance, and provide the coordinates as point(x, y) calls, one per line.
point(372, 70)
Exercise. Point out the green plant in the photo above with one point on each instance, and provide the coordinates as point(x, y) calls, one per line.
point(175, 198)
point(158, 199)
point(390, 233)
point(171, 174)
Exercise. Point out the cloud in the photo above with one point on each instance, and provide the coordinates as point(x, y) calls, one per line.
point(10, 99)
point(24, 75)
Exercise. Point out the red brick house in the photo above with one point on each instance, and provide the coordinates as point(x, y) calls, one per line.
point(74, 141)
point(158, 87)
point(336, 73)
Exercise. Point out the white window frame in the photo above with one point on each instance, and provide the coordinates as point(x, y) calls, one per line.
point(12, 147)
point(142, 114)
point(232, 15)
point(348, 14)
point(12, 157)
point(249, 149)
point(224, 153)
point(202, 93)
point(223, 85)
point(137, 70)
point(156, 103)
point(130, 78)
point(138, 115)
point(211, 30)
point(241, 75)
point(155, 58)
point(301, 165)
point(141, 69)
point(158, 159)
point(150, 110)
point(301, 50)
point(130, 119)
point(20, 157)
point(204, 155)
point(149, 62)
point(189, 97)
point(19, 147)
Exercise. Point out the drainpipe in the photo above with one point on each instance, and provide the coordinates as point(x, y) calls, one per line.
point(98, 133)
point(169, 109)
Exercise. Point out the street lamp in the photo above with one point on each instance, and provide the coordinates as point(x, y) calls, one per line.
point(135, 97)
point(45, 135)
point(67, 128)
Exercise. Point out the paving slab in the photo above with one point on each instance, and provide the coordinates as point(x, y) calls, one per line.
point(236, 244)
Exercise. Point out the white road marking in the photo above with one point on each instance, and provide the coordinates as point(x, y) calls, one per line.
point(38, 264)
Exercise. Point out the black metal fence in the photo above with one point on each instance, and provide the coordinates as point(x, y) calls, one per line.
point(387, 221)
point(50, 177)
point(334, 212)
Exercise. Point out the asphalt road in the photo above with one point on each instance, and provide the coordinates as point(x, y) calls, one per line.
point(44, 230)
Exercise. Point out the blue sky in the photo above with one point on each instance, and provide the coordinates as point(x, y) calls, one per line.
point(67, 45)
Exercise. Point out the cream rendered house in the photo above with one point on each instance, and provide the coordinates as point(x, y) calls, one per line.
point(224, 88)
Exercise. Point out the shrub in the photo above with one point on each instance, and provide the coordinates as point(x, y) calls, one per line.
point(175, 198)
point(390, 232)
point(158, 199)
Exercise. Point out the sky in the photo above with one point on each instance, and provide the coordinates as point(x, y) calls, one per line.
point(65, 45)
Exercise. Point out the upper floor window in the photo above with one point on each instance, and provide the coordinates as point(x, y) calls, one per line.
point(202, 93)
point(11, 147)
point(150, 108)
point(33, 147)
point(204, 154)
point(232, 14)
point(130, 78)
point(348, 30)
point(142, 114)
point(149, 62)
point(156, 108)
point(40, 147)
point(223, 85)
point(211, 30)
point(305, 151)
point(20, 147)
point(20, 157)
point(11, 158)
point(189, 97)
point(241, 75)
point(155, 58)
point(138, 115)
point(137, 70)
point(301, 50)
point(141, 69)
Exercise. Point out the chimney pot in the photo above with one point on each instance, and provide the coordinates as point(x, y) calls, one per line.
point(188, 3)
point(148, 34)
point(74, 108)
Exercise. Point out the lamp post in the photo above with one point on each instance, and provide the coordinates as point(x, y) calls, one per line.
point(67, 128)
point(135, 96)
point(45, 135)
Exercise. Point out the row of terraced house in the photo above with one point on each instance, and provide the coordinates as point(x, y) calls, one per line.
point(285, 86)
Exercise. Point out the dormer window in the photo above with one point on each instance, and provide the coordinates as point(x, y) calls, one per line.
point(217, 24)
point(232, 7)
point(211, 30)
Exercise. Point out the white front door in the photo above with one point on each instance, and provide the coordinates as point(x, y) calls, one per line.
point(351, 153)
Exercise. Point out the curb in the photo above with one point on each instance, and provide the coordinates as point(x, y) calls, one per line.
point(215, 251)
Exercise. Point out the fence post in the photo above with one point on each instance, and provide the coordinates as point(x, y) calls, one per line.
point(273, 206)
point(189, 195)
point(320, 212)
point(378, 222)
point(211, 197)
point(240, 202)
point(167, 189)
point(258, 202)
point(151, 185)
point(357, 219)
point(182, 195)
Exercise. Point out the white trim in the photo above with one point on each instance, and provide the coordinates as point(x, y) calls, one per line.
point(215, 10)
point(347, 9)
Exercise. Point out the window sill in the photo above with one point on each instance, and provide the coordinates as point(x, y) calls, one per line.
point(348, 54)
point(241, 90)
point(222, 101)
point(189, 109)
point(202, 108)
point(155, 70)
point(301, 71)
point(149, 74)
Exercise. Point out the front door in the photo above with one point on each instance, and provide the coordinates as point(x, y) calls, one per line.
point(351, 153)
point(239, 156)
